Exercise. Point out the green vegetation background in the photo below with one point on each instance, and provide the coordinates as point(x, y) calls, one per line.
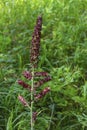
point(63, 54)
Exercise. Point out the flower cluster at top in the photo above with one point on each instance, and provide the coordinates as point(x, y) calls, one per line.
point(34, 52)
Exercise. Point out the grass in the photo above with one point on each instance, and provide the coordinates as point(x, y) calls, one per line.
point(63, 54)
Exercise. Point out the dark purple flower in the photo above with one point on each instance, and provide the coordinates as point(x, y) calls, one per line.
point(36, 42)
point(27, 75)
point(34, 116)
point(43, 93)
point(43, 74)
point(23, 84)
point(42, 81)
point(22, 100)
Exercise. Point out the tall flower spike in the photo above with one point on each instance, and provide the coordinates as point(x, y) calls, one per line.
point(36, 43)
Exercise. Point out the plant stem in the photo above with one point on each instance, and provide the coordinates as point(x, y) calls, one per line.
point(32, 90)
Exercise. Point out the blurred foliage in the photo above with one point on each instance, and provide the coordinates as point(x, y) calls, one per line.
point(63, 54)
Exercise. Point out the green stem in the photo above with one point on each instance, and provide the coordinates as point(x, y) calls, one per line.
point(32, 90)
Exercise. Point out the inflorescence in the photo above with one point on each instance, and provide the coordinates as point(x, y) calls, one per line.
point(42, 77)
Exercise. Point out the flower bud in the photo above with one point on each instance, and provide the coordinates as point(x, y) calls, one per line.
point(23, 84)
point(43, 74)
point(22, 100)
point(27, 75)
point(43, 93)
point(34, 116)
point(42, 81)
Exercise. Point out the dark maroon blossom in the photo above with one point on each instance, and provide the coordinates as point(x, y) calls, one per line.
point(42, 81)
point(34, 116)
point(23, 84)
point(27, 75)
point(43, 74)
point(39, 77)
point(37, 84)
point(43, 93)
point(36, 42)
point(22, 100)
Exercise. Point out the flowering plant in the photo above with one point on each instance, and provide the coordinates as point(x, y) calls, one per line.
point(33, 74)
